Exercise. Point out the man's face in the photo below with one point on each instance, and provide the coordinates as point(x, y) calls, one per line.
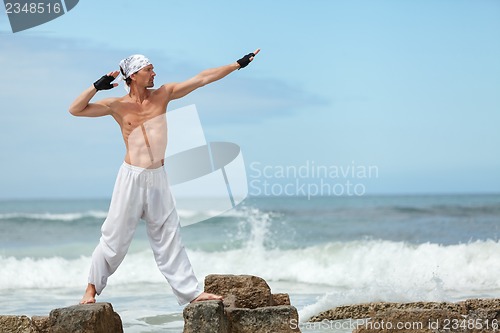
point(145, 77)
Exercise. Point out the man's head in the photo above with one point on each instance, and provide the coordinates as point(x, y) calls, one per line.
point(137, 67)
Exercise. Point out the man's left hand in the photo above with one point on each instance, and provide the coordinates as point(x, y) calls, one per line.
point(243, 62)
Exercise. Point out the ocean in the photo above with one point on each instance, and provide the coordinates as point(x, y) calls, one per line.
point(323, 251)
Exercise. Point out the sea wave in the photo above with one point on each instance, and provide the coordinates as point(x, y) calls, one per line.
point(63, 217)
point(342, 272)
point(448, 210)
point(355, 264)
point(342, 265)
point(96, 214)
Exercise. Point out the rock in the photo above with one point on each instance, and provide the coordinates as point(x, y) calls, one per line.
point(475, 304)
point(15, 324)
point(470, 316)
point(86, 318)
point(248, 307)
point(410, 320)
point(205, 317)
point(281, 299)
point(249, 292)
point(40, 324)
point(359, 311)
point(269, 319)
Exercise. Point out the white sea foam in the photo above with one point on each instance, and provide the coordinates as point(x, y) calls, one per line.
point(206, 214)
point(382, 268)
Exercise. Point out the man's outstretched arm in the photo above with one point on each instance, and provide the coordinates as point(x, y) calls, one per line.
point(178, 90)
point(82, 107)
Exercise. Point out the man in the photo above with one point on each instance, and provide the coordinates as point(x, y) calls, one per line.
point(141, 189)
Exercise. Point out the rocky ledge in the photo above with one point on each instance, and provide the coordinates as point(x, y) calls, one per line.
point(470, 316)
point(248, 307)
point(87, 318)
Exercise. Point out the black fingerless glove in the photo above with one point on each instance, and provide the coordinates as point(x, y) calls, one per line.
point(104, 83)
point(243, 62)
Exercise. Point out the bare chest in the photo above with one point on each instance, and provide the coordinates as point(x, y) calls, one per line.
point(130, 116)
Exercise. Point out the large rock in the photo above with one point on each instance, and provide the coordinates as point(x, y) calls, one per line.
point(86, 318)
point(248, 307)
point(244, 291)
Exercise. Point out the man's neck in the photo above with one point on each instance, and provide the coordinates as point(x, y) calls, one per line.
point(138, 94)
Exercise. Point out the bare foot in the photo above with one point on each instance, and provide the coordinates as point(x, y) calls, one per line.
point(207, 297)
point(89, 296)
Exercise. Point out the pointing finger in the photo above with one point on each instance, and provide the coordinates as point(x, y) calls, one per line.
point(255, 53)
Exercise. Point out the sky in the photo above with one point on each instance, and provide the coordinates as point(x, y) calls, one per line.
point(409, 89)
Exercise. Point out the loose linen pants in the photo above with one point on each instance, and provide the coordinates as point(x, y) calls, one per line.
point(144, 194)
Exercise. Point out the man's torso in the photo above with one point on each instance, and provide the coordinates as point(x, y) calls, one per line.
point(144, 129)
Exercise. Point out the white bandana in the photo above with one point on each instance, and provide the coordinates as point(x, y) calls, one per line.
point(133, 64)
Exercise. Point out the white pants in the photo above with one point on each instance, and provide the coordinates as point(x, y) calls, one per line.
point(144, 194)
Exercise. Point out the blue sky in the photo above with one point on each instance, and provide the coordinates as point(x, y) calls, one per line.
point(411, 87)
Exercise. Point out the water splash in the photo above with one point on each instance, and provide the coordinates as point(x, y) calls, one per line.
point(254, 233)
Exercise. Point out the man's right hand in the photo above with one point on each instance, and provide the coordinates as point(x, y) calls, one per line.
point(104, 83)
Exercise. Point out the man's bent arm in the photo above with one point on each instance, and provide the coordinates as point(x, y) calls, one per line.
point(81, 107)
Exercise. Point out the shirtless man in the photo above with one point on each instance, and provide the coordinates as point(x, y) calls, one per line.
point(141, 190)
